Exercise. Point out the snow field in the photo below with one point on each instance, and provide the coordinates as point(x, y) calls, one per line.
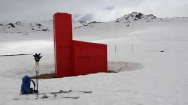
point(147, 76)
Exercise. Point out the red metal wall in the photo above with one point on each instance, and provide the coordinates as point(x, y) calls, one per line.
point(75, 57)
point(63, 44)
point(89, 58)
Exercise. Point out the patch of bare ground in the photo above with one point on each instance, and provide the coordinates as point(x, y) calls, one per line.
point(44, 76)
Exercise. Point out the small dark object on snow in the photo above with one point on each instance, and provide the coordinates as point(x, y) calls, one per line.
point(12, 25)
point(38, 24)
point(61, 91)
point(45, 29)
point(139, 15)
point(37, 57)
point(71, 97)
point(162, 51)
point(85, 91)
point(45, 96)
point(117, 21)
point(18, 23)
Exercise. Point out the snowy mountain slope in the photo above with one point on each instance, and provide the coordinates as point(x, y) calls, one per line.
point(20, 27)
point(43, 26)
point(151, 57)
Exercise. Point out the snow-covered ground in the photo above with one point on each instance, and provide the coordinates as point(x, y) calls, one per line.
point(146, 76)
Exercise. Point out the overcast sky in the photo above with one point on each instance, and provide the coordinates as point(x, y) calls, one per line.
point(88, 10)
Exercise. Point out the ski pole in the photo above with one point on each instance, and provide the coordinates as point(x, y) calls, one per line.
point(37, 58)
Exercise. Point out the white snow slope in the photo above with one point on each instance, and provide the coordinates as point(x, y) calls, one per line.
point(146, 76)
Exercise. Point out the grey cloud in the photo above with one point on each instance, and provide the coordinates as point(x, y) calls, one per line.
point(35, 10)
point(84, 18)
point(110, 7)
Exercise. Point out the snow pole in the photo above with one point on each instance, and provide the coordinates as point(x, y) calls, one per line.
point(132, 47)
point(115, 48)
point(37, 58)
point(37, 73)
